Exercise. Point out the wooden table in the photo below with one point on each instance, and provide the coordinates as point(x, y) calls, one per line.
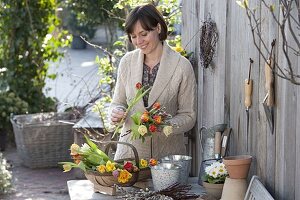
point(84, 190)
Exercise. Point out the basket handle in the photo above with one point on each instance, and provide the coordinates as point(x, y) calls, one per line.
point(136, 156)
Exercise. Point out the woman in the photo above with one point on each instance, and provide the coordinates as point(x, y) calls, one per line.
point(169, 74)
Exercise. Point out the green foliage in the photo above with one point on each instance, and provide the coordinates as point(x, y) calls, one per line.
point(10, 103)
point(5, 176)
point(29, 41)
point(81, 17)
point(219, 180)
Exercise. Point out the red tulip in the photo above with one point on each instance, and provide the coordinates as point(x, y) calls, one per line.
point(128, 166)
point(152, 128)
point(138, 85)
point(157, 119)
point(145, 117)
point(156, 106)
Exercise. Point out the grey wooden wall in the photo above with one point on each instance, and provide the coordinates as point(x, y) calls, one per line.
point(221, 93)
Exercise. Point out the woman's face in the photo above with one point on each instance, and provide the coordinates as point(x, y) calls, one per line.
point(145, 40)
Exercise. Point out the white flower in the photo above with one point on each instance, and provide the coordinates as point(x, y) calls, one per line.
point(142, 130)
point(213, 173)
point(216, 169)
point(85, 148)
point(167, 130)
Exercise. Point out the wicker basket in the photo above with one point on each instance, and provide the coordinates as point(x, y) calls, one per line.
point(108, 180)
point(43, 139)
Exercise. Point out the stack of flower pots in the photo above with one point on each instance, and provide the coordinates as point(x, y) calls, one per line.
point(235, 185)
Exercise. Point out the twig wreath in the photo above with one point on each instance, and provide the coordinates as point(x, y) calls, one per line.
point(208, 42)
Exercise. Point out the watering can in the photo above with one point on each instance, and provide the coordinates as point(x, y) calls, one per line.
point(213, 142)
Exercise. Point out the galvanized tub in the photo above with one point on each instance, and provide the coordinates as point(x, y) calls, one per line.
point(165, 175)
point(182, 160)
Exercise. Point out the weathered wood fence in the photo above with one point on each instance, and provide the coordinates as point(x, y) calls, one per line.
point(221, 93)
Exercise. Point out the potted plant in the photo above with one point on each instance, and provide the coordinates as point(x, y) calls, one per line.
point(214, 178)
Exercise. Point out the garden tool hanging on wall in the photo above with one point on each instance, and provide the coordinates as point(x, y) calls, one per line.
point(269, 101)
point(213, 142)
point(248, 99)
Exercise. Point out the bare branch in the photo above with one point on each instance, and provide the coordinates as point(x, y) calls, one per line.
point(286, 21)
point(112, 15)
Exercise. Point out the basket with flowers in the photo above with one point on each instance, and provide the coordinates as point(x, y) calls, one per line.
point(102, 170)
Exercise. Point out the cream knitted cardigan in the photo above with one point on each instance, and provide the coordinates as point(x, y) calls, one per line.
point(174, 88)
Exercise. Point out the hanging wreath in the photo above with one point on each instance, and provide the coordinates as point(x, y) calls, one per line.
point(208, 41)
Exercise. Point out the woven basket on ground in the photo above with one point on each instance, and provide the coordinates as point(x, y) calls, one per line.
point(107, 179)
point(42, 139)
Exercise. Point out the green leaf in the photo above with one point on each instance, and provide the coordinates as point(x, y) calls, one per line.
point(136, 118)
point(134, 131)
point(94, 159)
point(82, 166)
point(95, 148)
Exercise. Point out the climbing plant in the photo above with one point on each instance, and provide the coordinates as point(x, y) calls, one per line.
point(29, 41)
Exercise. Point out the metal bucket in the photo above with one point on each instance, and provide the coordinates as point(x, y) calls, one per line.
point(184, 162)
point(164, 175)
point(207, 140)
point(207, 144)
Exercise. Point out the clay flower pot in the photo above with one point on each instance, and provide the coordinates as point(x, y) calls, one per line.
point(214, 190)
point(238, 166)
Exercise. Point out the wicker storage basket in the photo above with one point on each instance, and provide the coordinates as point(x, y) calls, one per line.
point(43, 139)
point(108, 180)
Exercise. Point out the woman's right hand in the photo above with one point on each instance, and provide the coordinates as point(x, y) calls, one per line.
point(117, 114)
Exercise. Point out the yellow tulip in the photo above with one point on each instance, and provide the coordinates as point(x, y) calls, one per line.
point(110, 166)
point(124, 176)
point(67, 167)
point(143, 163)
point(101, 168)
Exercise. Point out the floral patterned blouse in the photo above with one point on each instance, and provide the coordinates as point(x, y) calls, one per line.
point(148, 79)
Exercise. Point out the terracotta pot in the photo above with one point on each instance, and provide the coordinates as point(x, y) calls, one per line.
point(234, 189)
point(214, 190)
point(238, 166)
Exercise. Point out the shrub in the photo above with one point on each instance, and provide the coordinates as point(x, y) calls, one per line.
point(5, 176)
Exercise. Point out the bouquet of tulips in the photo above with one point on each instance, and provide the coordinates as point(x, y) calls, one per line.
point(89, 157)
point(149, 122)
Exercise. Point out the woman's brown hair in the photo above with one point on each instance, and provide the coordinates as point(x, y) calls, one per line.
point(149, 17)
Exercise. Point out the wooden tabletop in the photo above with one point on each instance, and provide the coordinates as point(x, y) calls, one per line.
point(84, 190)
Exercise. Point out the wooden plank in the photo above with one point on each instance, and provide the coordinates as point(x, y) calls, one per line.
point(297, 162)
point(190, 40)
point(287, 139)
point(270, 32)
point(221, 97)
